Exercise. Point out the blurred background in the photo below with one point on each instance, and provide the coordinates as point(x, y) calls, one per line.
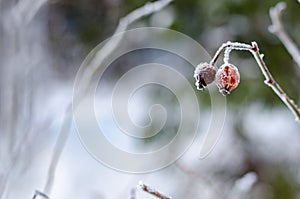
point(42, 45)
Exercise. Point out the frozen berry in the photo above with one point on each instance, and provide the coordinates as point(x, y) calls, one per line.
point(204, 75)
point(227, 78)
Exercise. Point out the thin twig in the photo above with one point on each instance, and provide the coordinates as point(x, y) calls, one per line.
point(58, 148)
point(112, 44)
point(278, 29)
point(38, 193)
point(269, 79)
point(152, 191)
point(96, 62)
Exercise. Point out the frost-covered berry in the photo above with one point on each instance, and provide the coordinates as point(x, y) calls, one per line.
point(227, 78)
point(204, 74)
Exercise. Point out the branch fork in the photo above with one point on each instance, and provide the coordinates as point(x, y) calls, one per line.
point(269, 79)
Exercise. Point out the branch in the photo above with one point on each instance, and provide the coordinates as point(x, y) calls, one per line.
point(58, 148)
point(112, 44)
point(38, 193)
point(95, 63)
point(278, 29)
point(152, 191)
point(269, 79)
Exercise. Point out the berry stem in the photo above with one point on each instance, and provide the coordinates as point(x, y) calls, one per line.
point(269, 79)
point(231, 46)
point(227, 54)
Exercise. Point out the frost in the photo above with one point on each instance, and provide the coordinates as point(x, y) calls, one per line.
point(226, 83)
point(246, 182)
point(281, 6)
point(227, 54)
point(140, 185)
point(262, 56)
point(204, 74)
point(227, 78)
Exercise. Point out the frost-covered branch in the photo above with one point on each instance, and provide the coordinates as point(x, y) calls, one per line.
point(278, 29)
point(228, 45)
point(152, 191)
point(269, 79)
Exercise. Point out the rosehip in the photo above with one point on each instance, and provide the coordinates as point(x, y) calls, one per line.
point(204, 75)
point(227, 78)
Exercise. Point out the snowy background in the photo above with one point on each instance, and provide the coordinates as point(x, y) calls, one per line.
point(42, 45)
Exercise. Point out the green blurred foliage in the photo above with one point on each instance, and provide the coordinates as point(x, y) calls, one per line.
point(283, 186)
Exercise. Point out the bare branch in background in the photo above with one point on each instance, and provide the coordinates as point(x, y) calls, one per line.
point(39, 195)
point(270, 81)
point(152, 191)
point(278, 29)
point(96, 62)
point(58, 148)
point(20, 93)
point(112, 44)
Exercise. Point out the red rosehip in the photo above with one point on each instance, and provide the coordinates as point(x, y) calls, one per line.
point(227, 78)
point(204, 75)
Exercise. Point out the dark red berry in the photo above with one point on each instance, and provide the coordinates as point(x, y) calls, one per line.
point(227, 78)
point(204, 75)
